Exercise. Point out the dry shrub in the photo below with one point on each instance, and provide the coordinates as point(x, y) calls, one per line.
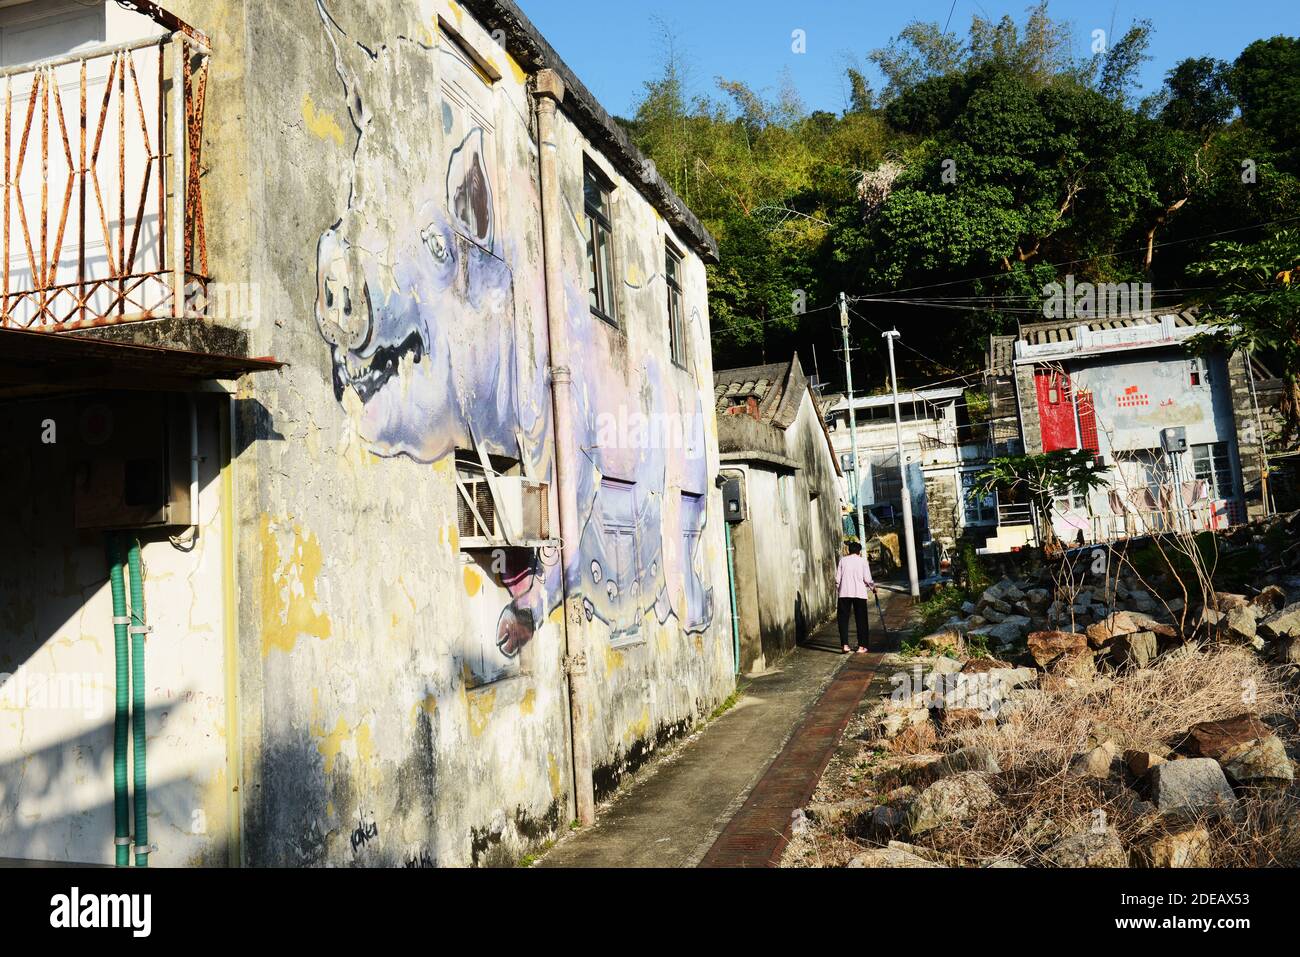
point(1141, 710)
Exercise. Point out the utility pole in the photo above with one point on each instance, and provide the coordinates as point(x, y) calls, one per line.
point(890, 336)
point(853, 419)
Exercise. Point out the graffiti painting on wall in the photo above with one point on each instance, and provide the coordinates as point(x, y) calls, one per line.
point(427, 304)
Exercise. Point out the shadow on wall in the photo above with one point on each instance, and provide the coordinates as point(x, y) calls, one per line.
point(47, 778)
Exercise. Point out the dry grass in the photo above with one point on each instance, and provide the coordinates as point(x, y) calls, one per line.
point(1140, 710)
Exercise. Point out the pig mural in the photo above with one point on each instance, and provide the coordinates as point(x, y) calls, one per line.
point(434, 346)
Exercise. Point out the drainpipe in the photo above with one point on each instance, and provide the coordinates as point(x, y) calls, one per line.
point(138, 630)
point(121, 661)
point(548, 92)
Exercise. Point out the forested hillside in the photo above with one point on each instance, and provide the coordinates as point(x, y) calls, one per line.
point(988, 166)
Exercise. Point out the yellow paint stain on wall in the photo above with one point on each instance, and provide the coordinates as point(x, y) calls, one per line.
point(553, 772)
point(290, 607)
point(529, 700)
point(699, 644)
point(473, 581)
point(331, 743)
point(320, 123)
point(638, 730)
point(480, 705)
point(613, 661)
point(662, 641)
point(515, 69)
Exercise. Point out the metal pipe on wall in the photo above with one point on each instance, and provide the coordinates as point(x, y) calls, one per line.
point(547, 95)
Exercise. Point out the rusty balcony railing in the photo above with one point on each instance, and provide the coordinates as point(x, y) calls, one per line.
point(102, 220)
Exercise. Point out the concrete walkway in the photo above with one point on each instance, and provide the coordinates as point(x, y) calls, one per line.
point(676, 813)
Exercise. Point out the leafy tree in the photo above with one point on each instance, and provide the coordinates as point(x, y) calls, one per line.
point(1266, 81)
point(1256, 304)
point(1037, 480)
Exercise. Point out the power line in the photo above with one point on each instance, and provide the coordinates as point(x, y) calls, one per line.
point(1122, 252)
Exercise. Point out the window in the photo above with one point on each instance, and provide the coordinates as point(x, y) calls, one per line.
point(676, 323)
point(1070, 503)
point(1213, 466)
point(1198, 374)
point(616, 573)
point(600, 244)
point(978, 511)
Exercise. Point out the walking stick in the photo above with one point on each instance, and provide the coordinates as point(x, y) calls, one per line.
point(883, 627)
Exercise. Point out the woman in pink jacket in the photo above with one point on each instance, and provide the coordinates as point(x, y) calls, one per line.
point(853, 578)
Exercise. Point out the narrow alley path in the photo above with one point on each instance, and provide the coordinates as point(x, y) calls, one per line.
point(725, 799)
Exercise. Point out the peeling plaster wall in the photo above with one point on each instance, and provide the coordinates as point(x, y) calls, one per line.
point(392, 233)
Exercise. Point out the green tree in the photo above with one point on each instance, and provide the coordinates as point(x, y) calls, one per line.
point(1037, 480)
point(1256, 305)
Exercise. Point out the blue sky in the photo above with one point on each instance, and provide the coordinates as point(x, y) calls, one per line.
point(614, 45)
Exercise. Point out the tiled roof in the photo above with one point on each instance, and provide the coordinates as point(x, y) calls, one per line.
point(1062, 330)
point(778, 388)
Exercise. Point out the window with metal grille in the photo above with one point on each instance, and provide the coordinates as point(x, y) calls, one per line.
point(1212, 464)
point(600, 243)
point(676, 322)
point(1087, 421)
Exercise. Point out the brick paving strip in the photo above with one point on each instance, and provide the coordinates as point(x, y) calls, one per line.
point(757, 835)
point(672, 814)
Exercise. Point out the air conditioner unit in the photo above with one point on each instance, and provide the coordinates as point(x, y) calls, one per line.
point(507, 510)
point(131, 461)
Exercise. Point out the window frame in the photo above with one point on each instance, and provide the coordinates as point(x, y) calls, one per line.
point(600, 222)
point(1212, 463)
point(673, 260)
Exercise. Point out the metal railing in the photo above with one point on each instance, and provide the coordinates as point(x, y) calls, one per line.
point(1015, 514)
point(102, 220)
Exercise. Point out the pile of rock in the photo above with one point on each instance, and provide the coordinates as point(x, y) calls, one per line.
point(1117, 625)
point(1173, 787)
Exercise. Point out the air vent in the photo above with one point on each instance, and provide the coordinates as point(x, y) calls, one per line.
point(481, 494)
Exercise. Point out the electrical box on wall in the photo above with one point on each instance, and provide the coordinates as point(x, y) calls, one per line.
point(733, 500)
point(132, 461)
point(1174, 439)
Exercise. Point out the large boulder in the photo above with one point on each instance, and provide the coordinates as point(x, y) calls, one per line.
point(1088, 847)
point(1139, 761)
point(943, 642)
point(1136, 650)
point(1186, 848)
point(1258, 762)
point(1190, 788)
point(1102, 762)
point(1111, 627)
point(1282, 624)
point(893, 855)
point(1210, 739)
point(950, 800)
point(1047, 646)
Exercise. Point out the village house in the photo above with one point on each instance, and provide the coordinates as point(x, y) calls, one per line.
point(1180, 430)
point(782, 503)
point(356, 396)
point(943, 454)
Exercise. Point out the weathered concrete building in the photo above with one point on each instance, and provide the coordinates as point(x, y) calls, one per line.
point(1180, 431)
point(942, 454)
point(446, 566)
point(785, 532)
